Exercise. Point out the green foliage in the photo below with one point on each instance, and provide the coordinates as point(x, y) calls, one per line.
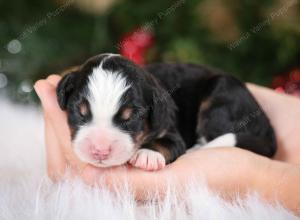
point(182, 33)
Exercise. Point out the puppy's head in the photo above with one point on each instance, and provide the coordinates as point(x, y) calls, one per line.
point(113, 107)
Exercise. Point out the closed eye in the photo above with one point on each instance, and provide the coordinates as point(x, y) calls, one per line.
point(128, 115)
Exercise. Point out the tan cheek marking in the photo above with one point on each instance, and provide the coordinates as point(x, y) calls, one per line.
point(72, 131)
point(204, 105)
point(126, 113)
point(142, 136)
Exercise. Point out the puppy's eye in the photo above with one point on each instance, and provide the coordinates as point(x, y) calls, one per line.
point(126, 113)
point(83, 109)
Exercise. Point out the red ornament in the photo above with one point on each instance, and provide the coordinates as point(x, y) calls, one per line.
point(288, 83)
point(295, 75)
point(135, 45)
point(279, 89)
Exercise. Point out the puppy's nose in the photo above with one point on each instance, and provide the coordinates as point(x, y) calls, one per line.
point(101, 153)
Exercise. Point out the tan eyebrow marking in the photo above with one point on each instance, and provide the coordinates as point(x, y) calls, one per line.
point(83, 109)
point(126, 113)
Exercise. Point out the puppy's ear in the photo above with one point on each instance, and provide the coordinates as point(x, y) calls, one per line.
point(65, 88)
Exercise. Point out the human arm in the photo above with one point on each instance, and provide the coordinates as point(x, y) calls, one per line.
point(226, 170)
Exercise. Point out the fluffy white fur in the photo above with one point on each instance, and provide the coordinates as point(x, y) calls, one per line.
point(105, 91)
point(225, 140)
point(27, 194)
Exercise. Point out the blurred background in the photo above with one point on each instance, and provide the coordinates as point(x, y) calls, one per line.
point(256, 40)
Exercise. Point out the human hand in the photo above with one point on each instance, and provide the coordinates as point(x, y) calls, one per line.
point(224, 169)
point(284, 112)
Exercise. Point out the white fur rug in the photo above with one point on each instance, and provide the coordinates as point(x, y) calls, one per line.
point(27, 194)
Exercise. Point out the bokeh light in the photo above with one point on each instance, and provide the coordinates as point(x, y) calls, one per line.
point(14, 46)
point(3, 80)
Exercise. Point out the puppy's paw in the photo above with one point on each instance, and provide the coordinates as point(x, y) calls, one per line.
point(148, 160)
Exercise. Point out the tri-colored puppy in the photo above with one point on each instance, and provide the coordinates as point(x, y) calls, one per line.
point(119, 112)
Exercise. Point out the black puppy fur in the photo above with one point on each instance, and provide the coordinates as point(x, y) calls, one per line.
point(174, 105)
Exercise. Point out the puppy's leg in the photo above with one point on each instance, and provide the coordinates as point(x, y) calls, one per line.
point(230, 116)
point(260, 145)
point(159, 152)
point(263, 145)
point(225, 140)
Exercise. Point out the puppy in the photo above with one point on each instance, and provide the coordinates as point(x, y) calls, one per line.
point(119, 112)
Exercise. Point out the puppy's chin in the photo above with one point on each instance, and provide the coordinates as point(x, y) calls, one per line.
point(121, 159)
point(105, 164)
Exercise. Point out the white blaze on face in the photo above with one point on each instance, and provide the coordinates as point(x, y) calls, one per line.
point(100, 142)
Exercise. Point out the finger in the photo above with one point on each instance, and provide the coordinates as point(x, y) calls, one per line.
point(58, 119)
point(56, 162)
point(47, 95)
point(141, 183)
point(55, 159)
point(53, 79)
